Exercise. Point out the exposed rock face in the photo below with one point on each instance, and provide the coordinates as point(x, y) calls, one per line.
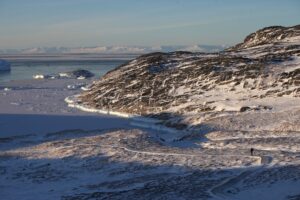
point(264, 66)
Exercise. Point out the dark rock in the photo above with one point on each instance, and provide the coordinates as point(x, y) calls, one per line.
point(245, 108)
point(80, 73)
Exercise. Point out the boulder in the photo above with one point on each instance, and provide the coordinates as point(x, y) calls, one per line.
point(80, 73)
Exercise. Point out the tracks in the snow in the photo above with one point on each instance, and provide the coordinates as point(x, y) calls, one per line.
point(221, 191)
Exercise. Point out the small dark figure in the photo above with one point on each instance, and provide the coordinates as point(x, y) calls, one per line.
point(251, 151)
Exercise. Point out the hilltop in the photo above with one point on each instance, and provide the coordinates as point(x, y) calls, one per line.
point(186, 90)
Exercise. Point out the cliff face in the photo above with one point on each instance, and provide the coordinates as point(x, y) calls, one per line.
point(260, 74)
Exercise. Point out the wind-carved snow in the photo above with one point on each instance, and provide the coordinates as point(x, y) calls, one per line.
point(132, 163)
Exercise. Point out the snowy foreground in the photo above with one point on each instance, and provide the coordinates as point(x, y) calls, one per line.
point(51, 151)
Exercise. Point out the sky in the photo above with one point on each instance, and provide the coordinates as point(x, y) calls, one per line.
point(76, 23)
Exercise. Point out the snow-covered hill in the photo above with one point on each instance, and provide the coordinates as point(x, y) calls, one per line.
point(241, 100)
point(185, 89)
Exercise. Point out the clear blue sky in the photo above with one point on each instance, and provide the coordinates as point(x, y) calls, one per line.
point(73, 23)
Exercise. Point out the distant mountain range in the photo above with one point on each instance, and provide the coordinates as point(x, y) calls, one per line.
point(114, 49)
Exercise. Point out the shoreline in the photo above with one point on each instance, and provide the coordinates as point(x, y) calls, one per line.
point(135, 120)
point(39, 100)
point(37, 106)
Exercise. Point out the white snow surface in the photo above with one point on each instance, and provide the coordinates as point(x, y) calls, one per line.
point(63, 152)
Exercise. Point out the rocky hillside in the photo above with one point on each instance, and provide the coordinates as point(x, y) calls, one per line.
point(273, 34)
point(262, 74)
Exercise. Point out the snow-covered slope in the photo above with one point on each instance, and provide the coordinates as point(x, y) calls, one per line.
point(187, 89)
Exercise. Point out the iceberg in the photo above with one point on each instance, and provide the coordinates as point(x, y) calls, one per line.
point(4, 65)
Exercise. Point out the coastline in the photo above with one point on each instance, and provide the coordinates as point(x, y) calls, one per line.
point(135, 120)
point(37, 106)
point(48, 102)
